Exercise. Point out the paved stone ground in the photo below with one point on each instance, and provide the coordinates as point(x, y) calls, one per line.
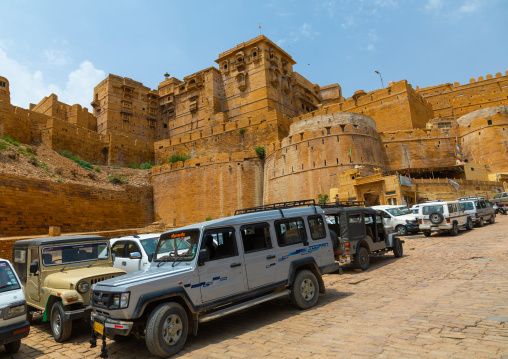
point(447, 297)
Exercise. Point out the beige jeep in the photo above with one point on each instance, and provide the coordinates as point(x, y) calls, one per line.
point(57, 274)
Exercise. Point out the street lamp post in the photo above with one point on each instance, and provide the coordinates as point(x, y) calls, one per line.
point(381, 77)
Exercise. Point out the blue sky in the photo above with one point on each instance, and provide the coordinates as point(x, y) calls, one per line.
point(67, 47)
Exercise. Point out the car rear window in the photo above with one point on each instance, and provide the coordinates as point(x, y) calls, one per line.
point(431, 209)
point(468, 206)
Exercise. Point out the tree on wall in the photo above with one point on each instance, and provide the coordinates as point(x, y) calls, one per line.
point(322, 198)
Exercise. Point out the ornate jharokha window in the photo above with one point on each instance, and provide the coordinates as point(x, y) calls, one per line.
point(241, 80)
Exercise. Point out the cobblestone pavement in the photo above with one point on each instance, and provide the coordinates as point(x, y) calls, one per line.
point(447, 297)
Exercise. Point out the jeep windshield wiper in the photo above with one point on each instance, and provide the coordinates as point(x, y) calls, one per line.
point(177, 258)
point(162, 261)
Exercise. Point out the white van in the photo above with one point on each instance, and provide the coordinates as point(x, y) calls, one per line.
point(400, 222)
point(13, 323)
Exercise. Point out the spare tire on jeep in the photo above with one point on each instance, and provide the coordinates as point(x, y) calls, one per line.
point(335, 241)
point(436, 218)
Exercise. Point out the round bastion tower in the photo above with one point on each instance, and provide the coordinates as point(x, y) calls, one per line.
point(317, 150)
point(5, 95)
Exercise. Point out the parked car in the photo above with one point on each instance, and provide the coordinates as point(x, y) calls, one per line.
point(230, 264)
point(57, 273)
point(401, 223)
point(479, 209)
point(13, 323)
point(500, 208)
point(501, 198)
point(361, 233)
point(444, 216)
point(133, 253)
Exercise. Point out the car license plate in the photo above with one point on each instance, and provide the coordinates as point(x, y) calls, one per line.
point(98, 327)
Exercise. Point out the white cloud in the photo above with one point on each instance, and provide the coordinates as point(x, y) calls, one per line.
point(434, 5)
point(348, 22)
point(29, 86)
point(294, 36)
point(56, 57)
point(371, 39)
point(326, 6)
point(470, 7)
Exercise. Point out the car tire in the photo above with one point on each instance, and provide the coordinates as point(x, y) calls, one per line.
point(469, 224)
point(166, 329)
point(60, 328)
point(426, 233)
point(436, 218)
point(481, 223)
point(398, 251)
point(335, 241)
point(12, 347)
point(361, 259)
point(492, 219)
point(401, 230)
point(304, 290)
point(414, 232)
point(29, 315)
point(455, 229)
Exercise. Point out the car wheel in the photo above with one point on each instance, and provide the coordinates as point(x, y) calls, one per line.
point(469, 224)
point(61, 329)
point(436, 218)
point(492, 219)
point(304, 290)
point(401, 230)
point(414, 232)
point(361, 259)
point(12, 347)
point(481, 223)
point(397, 248)
point(166, 329)
point(29, 315)
point(426, 233)
point(455, 230)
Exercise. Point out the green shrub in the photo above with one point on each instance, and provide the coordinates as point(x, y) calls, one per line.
point(118, 179)
point(86, 165)
point(60, 180)
point(11, 140)
point(322, 198)
point(97, 169)
point(208, 218)
point(44, 166)
point(143, 166)
point(3, 145)
point(242, 131)
point(179, 157)
point(260, 150)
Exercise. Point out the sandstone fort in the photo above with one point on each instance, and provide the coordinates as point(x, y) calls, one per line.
point(255, 132)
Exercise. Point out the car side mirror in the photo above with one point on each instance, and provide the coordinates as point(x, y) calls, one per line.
point(34, 267)
point(203, 256)
point(150, 257)
point(135, 255)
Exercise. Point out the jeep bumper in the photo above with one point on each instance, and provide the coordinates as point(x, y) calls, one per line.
point(111, 327)
point(78, 313)
point(14, 332)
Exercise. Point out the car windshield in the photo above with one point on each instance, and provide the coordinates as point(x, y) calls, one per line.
point(69, 253)
point(395, 212)
point(468, 206)
point(8, 280)
point(414, 210)
point(181, 245)
point(150, 244)
point(432, 209)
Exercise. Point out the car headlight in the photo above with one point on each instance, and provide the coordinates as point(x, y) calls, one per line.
point(16, 310)
point(83, 287)
point(120, 300)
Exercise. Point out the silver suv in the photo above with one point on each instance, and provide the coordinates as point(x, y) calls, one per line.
point(479, 209)
point(226, 265)
point(443, 216)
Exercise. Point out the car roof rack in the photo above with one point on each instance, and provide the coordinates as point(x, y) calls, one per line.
point(277, 206)
point(470, 197)
point(344, 204)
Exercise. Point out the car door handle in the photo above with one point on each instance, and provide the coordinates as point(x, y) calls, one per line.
point(271, 256)
point(124, 263)
point(236, 265)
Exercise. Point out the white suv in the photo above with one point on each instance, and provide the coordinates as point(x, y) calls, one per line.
point(479, 209)
point(443, 216)
point(134, 253)
point(400, 222)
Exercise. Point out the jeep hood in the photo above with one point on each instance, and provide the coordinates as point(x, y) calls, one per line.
point(67, 277)
point(146, 276)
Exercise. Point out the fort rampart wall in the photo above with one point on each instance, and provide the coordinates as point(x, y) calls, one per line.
point(307, 163)
point(457, 100)
point(189, 192)
point(30, 206)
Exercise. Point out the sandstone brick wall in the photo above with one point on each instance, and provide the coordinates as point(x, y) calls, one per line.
point(307, 164)
point(186, 193)
point(30, 206)
point(485, 141)
point(457, 100)
point(14, 122)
